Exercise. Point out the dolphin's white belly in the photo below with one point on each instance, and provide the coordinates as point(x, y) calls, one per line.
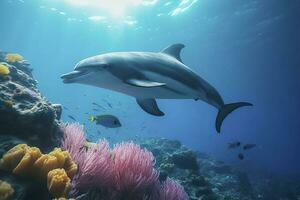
point(172, 90)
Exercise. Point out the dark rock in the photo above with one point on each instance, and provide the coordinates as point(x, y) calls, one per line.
point(198, 181)
point(170, 157)
point(245, 184)
point(185, 160)
point(25, 189)
point(223, 169)
point(24, 113)
point(26, 117)
point(203, 191)
point(163, 175)
point(58, 110)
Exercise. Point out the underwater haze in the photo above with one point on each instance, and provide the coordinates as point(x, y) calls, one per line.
point(248, 50)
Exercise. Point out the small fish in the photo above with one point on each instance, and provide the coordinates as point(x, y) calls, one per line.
point(241, 156)
point(108, 121)
point(99, 132)
point(95, 109)
point(99, 106)
point(109, 104)
point(71, 117)
point(249, 146)
point(234, 145)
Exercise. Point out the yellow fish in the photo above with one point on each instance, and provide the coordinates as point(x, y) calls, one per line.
point(4, 70)
point(13, 57)
point(93, 118)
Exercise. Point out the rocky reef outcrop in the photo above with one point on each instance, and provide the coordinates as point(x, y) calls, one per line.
point(25, 117)
point(202, 177)
point(178, 162)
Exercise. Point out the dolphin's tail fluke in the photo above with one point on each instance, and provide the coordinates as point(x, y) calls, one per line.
point(225, 110)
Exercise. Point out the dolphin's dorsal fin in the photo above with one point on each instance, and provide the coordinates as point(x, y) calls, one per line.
point(174, 51)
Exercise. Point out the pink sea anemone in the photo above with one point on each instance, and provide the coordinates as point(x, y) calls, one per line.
point(74, 140)
point(95, 170)
point(125, 173)
point(133, 168)
point(171, 190)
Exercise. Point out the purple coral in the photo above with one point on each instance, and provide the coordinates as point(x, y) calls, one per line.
point(171, 190)
point(133, 168)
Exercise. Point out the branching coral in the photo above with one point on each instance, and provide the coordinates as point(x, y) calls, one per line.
point(58, 183)
point(6, 190)
point(172, 190)
point(13, 57)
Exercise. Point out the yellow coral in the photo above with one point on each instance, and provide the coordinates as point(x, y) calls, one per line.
point(4, 70)
point(56, 159)
point(57, 166)
point(25, 165)
point(13, 57)
point(58, 183)
point(13, 157)
point(45, 164)
point(70, 166)
point(6, 191)
point(20, 159)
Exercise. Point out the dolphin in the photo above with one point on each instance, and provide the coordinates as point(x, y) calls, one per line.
point(148, 76)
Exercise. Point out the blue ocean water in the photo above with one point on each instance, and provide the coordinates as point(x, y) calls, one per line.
point(248, 50)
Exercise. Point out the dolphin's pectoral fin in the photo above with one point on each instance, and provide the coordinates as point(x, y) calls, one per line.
point(174, 51)
point(150, 106)
point(144, 83)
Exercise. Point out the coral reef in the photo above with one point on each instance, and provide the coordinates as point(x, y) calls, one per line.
point(4, 70)
point(20, 159)
point(13, 57)
point(57, 167)
point(58, 183)
point(124, 173)
point(175, 161)
point(25, 115)
point(171, 190)
point(134, 170)
point(84, 170)
point(6, 190)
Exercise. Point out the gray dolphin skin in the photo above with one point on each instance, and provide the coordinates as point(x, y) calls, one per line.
point(148, 76)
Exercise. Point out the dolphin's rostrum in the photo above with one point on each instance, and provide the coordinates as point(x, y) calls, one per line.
point(148, 76)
